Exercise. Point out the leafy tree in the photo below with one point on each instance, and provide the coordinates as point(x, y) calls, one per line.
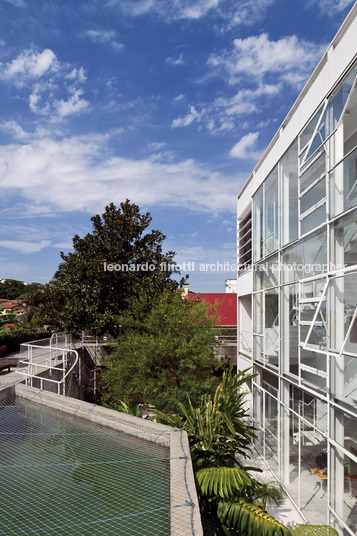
point(12, 289)
point(88, 292)
point(164, 353)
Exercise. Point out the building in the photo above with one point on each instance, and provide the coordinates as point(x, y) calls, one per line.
point(224, 306)
point(231, 286)
point(297, 292)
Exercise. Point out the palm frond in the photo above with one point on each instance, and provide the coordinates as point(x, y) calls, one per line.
point(249, 519)
point(223, 482)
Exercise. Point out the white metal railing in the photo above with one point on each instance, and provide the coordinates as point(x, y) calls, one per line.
point(58, 362)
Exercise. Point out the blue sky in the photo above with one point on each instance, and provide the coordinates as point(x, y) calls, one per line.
point(166, 102)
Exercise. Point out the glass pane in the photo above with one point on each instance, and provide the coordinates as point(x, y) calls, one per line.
point(343, 476)
point(307, 311)
point(258, 224)
point(312, 289)
point(344, 380)
point(313, 381)
point(337, 103)
point(271, 331)
point(258, 350)
point(318, 334)
point(266, 274)
point(343, 428)
point(306, 258)
point(313, 220)
point(343, 185)
point(271, 431)
point(313, 196)
point(308, 131)
point(289, 472)
point(258, 313)
point(313, 477)
point(332, 114)
point(316, 170)
point(342, 299)
point(289, 328)
point(258, 418)
point(289, 193)
point(271, 213)
point(344, 242)
point(320, 135)
point(313, 360)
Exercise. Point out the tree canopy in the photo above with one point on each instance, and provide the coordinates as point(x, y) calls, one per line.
point(12, 289)
point(120, 258)
point(165, 353)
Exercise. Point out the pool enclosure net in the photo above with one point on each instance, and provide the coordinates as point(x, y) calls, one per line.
point(65, 475)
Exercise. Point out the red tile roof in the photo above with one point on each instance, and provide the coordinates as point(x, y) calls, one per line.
point(226, 305)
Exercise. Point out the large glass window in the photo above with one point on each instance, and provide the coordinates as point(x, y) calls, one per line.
point(271, 331)
point(313, 172)
point(343, 375)
point(327, 118)
point(344, 242)
point(289, 329)
point(343, 185)
point(313, 196)
point(306, 258)
point(313, 219)
point(289, 195)
point(271, 213)
point(343, 471)
point(342, 300)
point(271, 431)
point(258, 203)
point(266, 274)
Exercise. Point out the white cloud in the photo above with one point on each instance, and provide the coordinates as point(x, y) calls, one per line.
point(73, 105)
point(77, 74)
point(245, 12)
point(245, 148)
point(105, 37)
point(259, 57)
point(30, 64)
point(2, 43)
point(245, 101)
point(57, 109)
point(78, 174)
point(175, 61)
point(197, 9)
point(16, 3)
point(14, 129)
point(331, 7)
point(23, 246)
point(189, 118)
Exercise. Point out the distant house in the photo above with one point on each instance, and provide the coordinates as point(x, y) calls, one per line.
point(225, 307)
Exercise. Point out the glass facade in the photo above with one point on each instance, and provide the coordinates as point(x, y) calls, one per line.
point(305, 314)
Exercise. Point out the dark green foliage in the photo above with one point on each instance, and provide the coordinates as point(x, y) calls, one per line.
point(87, 296)
point(13, 339)
point(232, 501)
point(12, 289)
point(246, 519)
point(164, 353)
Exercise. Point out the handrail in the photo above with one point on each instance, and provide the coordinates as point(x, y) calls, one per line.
point(47, 364)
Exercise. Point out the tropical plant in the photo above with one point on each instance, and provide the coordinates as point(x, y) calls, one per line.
point(231, 500)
